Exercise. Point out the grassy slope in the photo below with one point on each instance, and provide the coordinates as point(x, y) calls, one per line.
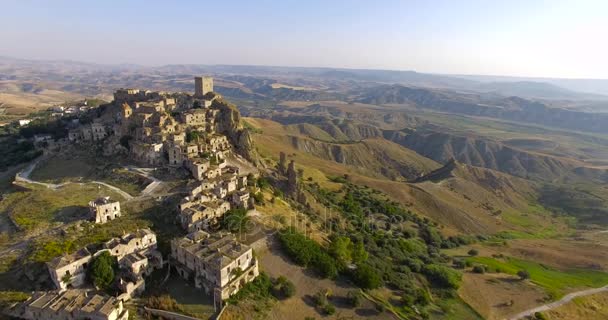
point(41, 207)
point(465, 202)
point(555, 282)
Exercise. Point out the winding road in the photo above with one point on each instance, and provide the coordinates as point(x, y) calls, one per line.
point(24, 176)
point(567, 298)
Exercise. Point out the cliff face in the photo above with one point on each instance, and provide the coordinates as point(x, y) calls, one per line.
point(229, 124)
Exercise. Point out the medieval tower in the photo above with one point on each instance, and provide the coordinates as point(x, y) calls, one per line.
point(202, 85)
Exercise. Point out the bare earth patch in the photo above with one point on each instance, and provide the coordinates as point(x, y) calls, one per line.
point(496, 296)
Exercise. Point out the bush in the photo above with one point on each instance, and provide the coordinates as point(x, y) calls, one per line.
point(540, 316)
point(259, 198)
point(164, 302)
point(423, 297)
point(366, 277)
point(459, 263)
point(101, 271)
point(354, 298)
point(523, 274)
point(320, 298)
point(259, 288)
point(479, 269)
point(284, 288)
point(473, 252)
point(329, 309)
point(443, 276)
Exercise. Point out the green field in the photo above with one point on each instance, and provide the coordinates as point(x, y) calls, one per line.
point(39, 206)
point(556, 282)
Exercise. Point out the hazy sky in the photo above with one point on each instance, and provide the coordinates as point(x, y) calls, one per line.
point(554, 38)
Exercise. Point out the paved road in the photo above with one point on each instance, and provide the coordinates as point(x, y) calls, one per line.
point(567, 298)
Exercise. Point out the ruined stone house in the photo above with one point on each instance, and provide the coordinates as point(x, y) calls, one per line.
point(103, 210)
point(218, 263)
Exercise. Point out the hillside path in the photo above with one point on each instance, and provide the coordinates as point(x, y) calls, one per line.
point(24, 176)
point(567, 298)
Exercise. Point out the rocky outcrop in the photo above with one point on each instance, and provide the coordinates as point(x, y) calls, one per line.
point(442, 173)
point(229, 123)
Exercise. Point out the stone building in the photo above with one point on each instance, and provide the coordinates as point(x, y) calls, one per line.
point(218, 263)
point(203, 215)
point(95, 131)
point(72, 304)
point(240, 199)
point(142, 241)
point(69, 271)
point(103, 210)
point(202, 86)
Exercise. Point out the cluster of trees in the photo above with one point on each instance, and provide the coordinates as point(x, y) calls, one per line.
point(307, 252)
point(102, 270)
point(400, 248)
point(15, 152)
point(55, 127)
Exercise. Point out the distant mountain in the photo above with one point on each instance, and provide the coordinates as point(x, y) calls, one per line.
point(538, 90)
point(506, 108)
point(594, 86)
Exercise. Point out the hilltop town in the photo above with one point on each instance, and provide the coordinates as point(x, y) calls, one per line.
point(199, 133)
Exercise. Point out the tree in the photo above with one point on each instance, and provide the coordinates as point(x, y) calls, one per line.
point(359, 254)
point(340, 248)
point(101, 271)
point(192, 136)
point(235, 220)
point(473, 252)
point(523, 274)
point(366, 277)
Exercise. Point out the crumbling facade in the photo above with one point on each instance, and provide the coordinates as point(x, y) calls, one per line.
point(218, 263)
point(103, 210)
point(69, 271)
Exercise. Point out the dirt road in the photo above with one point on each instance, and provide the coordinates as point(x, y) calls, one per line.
point(567, 298)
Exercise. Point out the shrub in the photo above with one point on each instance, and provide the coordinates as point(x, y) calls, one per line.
point(540, 316)
point(329, 309)
point(164, 302)
point(259, 198)
point(459, 263)
point(354, 298)
point(523, 274)
point(443, 276)
point(473, 252)
point(320, 298)
point(284, 288)
point(423, 297)
point(479, 269)
point(259, 288)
